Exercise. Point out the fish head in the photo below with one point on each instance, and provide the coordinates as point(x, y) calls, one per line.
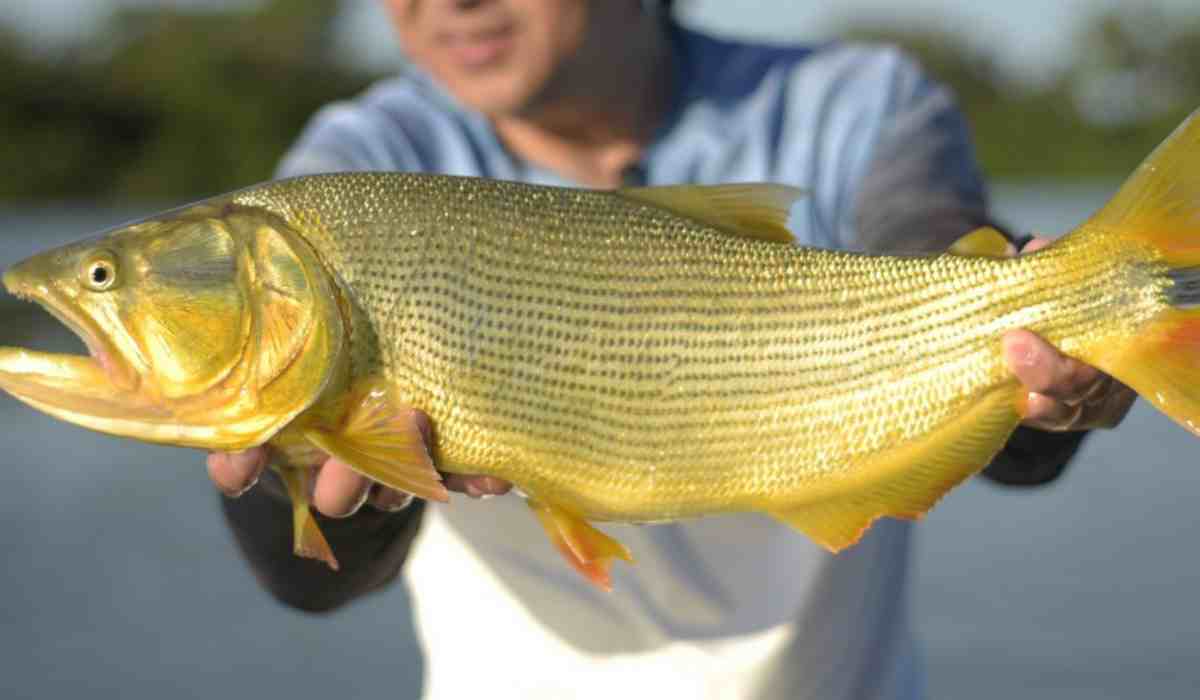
point(212, 326)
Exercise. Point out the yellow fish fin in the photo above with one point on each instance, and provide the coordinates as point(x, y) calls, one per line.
point(907, 481)
point(1162, 364)
point(1160, 202)
point(755, 211)
point(1159, 206)
point(307, 539)
point(984, 242)
point(381, 439)
point(587, 549)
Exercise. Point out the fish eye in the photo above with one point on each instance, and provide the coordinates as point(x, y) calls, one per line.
point(100, 273)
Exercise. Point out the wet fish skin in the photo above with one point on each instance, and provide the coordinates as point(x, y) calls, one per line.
point(641, 355)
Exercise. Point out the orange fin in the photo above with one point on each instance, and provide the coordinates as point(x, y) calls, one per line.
point(307, 540)
point(1160, 202)
point(755, 211)
point(1159, 206)
point(587, 549)
point(381, 439)
point(1163, 366)
point(982, 242)
point(907, 481)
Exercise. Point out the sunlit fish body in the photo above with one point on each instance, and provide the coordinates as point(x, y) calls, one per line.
point(640, 355)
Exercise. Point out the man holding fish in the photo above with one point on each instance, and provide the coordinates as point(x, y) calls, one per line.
point(611, 94)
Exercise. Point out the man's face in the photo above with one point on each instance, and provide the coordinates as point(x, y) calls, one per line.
point(497, 56)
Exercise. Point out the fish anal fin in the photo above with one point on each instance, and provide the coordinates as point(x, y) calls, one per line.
point(758, 211)
point(307, 538)
point(835, 526)
point(585, 548)
point(907, 481)
point(982, 242)
point(382, 439)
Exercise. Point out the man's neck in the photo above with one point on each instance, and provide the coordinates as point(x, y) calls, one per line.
point(594, 137)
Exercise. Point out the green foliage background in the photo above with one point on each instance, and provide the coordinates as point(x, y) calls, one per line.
point(175, 105)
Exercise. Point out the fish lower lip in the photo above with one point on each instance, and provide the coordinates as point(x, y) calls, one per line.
point(42, 377)
point(50, 366)
point(74, 388)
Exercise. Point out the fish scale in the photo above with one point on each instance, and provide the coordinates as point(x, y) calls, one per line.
point(640, 365)
point(641, 355)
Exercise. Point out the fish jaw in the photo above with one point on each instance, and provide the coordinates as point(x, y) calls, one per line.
point(76, 389)
point(100, 391)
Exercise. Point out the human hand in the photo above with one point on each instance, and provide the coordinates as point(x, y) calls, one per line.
point(338, 490)
point(1064, 393)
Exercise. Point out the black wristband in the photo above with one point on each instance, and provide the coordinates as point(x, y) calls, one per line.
point(371, 547)
point(1032, 457)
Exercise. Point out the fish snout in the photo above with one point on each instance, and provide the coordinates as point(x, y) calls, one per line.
point(14, 280)
point(27, 278)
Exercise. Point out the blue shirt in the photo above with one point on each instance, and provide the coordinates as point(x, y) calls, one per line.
point(732, 606)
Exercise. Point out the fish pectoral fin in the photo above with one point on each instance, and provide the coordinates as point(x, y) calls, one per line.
point(906, 481)
point(307, 539)
point(587, 549)
point(758, 211)
point(983, 242)
point(382, 439)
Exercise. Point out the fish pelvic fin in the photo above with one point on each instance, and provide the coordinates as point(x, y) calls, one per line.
point(307, 538)
point(381, 439)
point(1158, 208)
point(585, 548)
point(905, 482)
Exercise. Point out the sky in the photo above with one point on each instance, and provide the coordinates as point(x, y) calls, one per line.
point(1028, 37)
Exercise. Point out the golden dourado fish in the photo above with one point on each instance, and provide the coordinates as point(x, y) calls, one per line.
point(639, 355)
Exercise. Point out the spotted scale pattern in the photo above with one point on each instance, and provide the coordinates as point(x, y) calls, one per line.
point(638, 365)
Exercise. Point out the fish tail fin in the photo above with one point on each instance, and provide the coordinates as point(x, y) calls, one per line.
point(1158, 208)
point(1159, 205)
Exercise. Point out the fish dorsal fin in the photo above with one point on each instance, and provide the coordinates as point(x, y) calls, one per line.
point(984, 242)
point(758, 211)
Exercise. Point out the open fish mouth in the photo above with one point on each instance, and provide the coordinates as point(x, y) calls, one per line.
point(90, 390)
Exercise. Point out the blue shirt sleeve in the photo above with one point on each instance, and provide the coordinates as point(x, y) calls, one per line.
point(370, 133)
point(921, 188)
point(892, 167)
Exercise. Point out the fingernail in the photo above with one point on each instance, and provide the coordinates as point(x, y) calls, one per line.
point(473, 490)
point(366, 493)
point(394, 503)
point(1027, 354)
point(247, 487)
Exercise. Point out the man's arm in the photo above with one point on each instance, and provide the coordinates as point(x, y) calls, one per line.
point(371, 548)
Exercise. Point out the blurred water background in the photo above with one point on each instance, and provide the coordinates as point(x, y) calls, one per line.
point(120, 579)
